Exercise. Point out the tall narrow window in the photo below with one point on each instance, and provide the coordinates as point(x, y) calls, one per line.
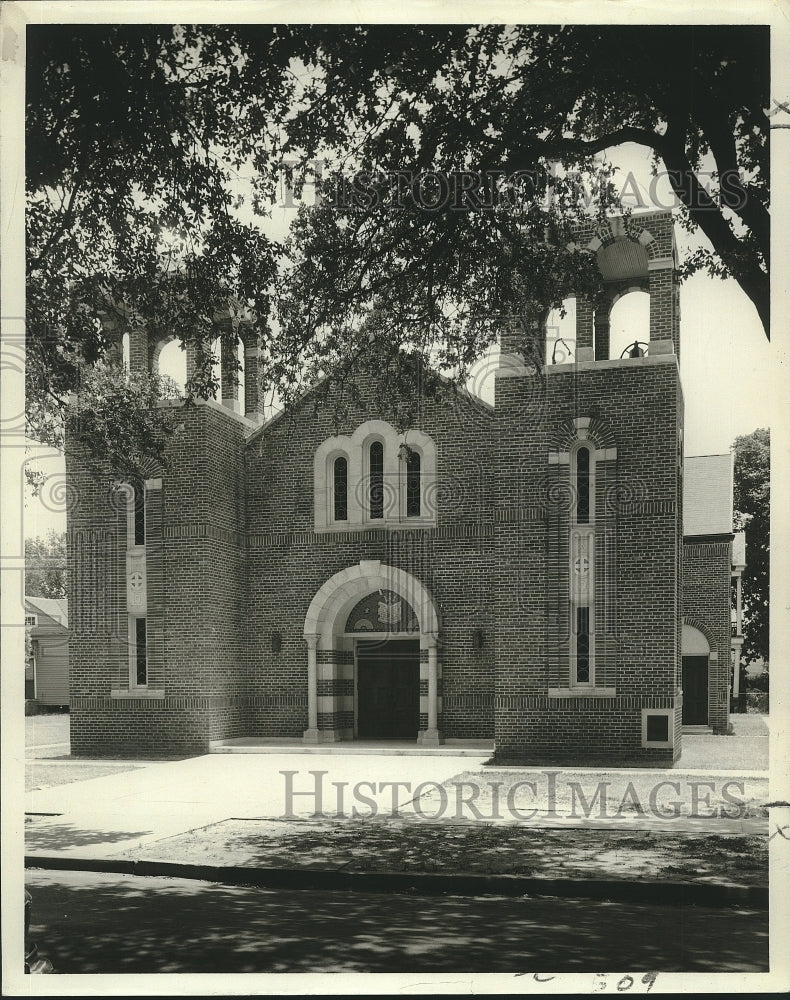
point(377, 480)
point(582, 645)
point(140, 653)
point(582, 568)
point(340, 488)
point(583, 486)
point(413, 484)
point(139, 515)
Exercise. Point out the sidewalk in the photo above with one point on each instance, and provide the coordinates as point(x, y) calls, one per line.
point(221, 817)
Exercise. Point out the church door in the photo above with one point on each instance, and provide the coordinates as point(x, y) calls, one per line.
point(695, 690)
point(388, 689)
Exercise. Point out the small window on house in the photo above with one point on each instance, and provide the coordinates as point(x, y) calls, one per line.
point(583, 486)
point(376, 480)
point(139, 515)
point(340, 488)
point(140, 653)
point(413, 484)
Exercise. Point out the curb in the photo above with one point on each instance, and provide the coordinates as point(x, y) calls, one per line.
point(424, 883)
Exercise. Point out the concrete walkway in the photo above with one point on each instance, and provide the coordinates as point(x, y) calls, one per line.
point(108, 814)
point(116, 812)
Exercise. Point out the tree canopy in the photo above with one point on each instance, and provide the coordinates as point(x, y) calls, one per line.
point(450, 162)
point(752, 503)
point(46, 572)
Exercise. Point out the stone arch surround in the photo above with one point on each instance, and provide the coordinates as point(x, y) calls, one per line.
point(329, 666)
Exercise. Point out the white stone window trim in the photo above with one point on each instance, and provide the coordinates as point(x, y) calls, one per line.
point(389, 480)
point(567, 459)
point(424, 446)
point(356, 449)
point(332, 457)
point(583, 692)
point(137, 692)
point(667, 744)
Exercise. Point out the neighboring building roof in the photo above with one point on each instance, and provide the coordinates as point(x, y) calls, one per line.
point(707, 494)
point(57, 608)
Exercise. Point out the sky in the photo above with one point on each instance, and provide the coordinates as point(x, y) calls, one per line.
point(728, 368)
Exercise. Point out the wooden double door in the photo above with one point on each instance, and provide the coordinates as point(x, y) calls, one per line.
point(388, 689)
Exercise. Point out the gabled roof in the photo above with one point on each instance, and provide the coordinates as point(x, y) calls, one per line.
point(57, 608)
point(463, 393)
point(707, 494)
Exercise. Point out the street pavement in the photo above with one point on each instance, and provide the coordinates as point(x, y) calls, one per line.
point(86, 922)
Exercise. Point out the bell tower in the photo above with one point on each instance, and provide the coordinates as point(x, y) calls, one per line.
point(589, 519)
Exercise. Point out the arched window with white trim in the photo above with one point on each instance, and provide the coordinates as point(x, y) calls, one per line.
point(375, 477)
point(413, 483)
point(376, 480)
point(340, 488)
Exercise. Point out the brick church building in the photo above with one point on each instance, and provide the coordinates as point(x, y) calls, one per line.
point(516, 573)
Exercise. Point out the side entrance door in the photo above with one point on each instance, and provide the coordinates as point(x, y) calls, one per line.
point(695, 690)
point(388, 689)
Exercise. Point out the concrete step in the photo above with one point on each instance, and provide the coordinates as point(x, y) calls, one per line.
point(697, 731)
point(480, 749)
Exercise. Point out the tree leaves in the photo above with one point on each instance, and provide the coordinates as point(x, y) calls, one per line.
point(148, 146)
point(752, 503)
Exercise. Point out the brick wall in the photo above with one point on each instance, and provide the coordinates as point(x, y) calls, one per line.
point(706, 606)
point(196, 569)
point(289, 561)
point(637, 526)
point(233, 557)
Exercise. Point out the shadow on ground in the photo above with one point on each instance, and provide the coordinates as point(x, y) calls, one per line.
point(88, 923)
point(42, 836)
point(374, 846)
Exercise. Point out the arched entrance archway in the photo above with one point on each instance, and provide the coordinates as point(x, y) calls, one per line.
point(696, 665)
point(332, 654)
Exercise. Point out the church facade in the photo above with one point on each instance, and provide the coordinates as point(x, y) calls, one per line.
point(510, 573)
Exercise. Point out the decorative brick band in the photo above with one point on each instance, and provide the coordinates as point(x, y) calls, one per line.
point(532, 512)
point(146, 704)
point(543, 703)
point(276, 701)
point(207, 703)
point(706, 549)
point(465, 529)
point(468, 701)
point(641, 507)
